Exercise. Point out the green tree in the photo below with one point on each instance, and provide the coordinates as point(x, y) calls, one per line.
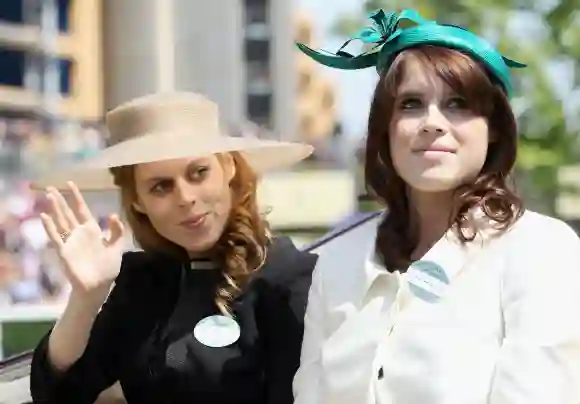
point(549, 135)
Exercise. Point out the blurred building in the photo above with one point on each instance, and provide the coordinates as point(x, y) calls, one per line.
point(241, 54)
point(316, 99)
point(268, 55)
point(324, 193)
point(51, 58)
point(66, 62)
point(50, 53)
point(159, 45)
point(238, 53)
point(58, 61)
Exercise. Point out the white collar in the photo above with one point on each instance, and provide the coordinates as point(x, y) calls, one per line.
point(202, 264)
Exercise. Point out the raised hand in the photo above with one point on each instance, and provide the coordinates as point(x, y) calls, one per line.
point(91, 261)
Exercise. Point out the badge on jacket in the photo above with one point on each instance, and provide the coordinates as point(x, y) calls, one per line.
point(427, 280)
point(217, 331)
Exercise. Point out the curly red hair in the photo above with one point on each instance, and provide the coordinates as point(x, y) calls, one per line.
point(242, 247)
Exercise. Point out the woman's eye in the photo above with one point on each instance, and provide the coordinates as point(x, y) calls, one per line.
point(161, 187)
point(199, 173)
point(411, 103)
point(457, 103)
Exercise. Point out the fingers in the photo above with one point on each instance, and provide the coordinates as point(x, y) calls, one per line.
point(65, 218)
point(57, 215)
point(51, 230)
point(80, 208)
point(116, 229)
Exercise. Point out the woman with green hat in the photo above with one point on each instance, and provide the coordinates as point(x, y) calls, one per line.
point(459, 294)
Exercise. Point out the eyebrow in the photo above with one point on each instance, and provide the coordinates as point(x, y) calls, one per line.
point(409, 92)
point(155, 180)
point(416, 92)
point(193, 164)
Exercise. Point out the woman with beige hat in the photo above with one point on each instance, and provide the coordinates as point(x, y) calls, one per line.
point(211, 310)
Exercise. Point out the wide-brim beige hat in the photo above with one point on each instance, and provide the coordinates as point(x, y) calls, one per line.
point(168, 126)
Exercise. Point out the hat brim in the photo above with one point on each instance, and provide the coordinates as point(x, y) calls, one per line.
point(92, 174)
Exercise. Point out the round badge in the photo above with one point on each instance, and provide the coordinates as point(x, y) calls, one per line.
point(217, 331)
point(427, 280)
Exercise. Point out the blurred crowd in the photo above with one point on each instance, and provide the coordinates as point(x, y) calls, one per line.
point(29, 270)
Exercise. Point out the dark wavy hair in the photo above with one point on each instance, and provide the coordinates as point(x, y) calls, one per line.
point(485, 96)
point(242, 247)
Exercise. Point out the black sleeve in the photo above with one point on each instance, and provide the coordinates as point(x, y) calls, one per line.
point(281, 324)
point(98, 367)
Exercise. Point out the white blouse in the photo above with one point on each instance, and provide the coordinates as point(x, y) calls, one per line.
point(493, 322)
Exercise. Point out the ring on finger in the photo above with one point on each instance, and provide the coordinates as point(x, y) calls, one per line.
point(64, 235)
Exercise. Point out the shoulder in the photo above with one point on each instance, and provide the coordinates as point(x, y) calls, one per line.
point(142, 271)
point(285, 262)
point(137, 265)
point(340, 274)
point(542, 253)
point(349, 249)
point(538, 233)
point(283, 282)
point(132, 260)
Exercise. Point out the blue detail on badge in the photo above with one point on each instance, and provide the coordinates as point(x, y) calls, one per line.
point(426, 280)
point(431, 268)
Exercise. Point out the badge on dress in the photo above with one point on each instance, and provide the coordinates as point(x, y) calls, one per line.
point(217, 331)
point(427, 280)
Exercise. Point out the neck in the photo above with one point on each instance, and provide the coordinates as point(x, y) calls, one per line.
point(199, 255)
point(430, 212)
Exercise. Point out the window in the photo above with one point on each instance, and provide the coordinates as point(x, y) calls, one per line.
point(256, 12)
point(12, 62)
point(21, 69)
point(36, 69)
point(257, 50)
point(261, 121)
point(338, 130)
point(12, 11)
point(65, 67)
point(28, 11)
point(260, 108)
point(258, 77)
point(258, 71)
point(63, 15)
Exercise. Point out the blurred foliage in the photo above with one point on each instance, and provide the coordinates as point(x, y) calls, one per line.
point(548, 109)
point(20, 337)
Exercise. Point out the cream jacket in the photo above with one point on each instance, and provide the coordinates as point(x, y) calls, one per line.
point(504, 327)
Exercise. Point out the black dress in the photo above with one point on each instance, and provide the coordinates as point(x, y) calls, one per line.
point(144, 336)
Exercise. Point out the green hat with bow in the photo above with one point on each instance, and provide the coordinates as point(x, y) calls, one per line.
point(393, 32)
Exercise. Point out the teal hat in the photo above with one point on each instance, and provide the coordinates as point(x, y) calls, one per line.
point(392, 33)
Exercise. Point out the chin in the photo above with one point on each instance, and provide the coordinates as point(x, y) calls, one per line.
point(435, 179)
point(200, 246)
point(434, 184)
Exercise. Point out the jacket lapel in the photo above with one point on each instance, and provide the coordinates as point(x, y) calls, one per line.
point(366, 292)
point(350, 352)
